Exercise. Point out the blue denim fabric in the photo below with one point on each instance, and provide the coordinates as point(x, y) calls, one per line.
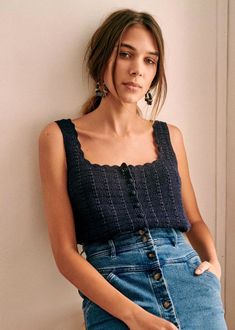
point(155, 269)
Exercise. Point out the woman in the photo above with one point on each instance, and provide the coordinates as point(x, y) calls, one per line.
point(119, 185)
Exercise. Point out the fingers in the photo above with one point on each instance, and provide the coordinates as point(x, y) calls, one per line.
point(205, 265)
point(202, 267)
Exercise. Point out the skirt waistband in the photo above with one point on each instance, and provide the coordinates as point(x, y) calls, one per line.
point(135, 239)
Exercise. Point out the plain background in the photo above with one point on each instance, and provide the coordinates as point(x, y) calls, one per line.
point(42, 80)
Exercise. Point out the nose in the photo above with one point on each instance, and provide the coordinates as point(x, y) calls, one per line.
point(134, 73)
point(135, 69)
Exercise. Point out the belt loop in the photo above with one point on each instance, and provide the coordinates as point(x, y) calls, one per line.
point(175, 237)
point(112, 248)
point(148, 231)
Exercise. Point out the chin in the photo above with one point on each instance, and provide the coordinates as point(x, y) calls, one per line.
point(130, 100)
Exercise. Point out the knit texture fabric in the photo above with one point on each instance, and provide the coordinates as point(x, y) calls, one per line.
point(112, 199)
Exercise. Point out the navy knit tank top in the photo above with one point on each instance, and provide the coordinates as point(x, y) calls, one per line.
point(111, 199)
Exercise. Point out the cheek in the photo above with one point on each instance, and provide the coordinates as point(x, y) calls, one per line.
point(120, 74)
point(152, 74)
point(122, 68)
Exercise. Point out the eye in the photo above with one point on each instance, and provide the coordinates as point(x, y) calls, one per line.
point(150, 61)
point(124, 54)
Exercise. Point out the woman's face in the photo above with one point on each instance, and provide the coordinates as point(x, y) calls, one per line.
point(136, 63)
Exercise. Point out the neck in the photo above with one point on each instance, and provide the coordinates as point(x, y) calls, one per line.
point(120, 118)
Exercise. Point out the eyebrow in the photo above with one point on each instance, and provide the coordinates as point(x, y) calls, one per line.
point(133, 48)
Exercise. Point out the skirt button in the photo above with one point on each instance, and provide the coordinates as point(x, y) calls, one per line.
point(141, 231)
point(166, 304)
point(145, 238)
point(157, 276)
point(151, 255)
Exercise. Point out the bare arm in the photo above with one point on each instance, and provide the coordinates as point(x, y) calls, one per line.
point(199, 235)
point(61, 229)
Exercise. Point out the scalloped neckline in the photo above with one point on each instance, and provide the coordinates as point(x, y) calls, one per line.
point(123, 163)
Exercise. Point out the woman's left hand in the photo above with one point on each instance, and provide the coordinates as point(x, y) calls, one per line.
point(212, 266)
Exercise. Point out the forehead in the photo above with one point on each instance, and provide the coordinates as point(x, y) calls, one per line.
point(140, 37)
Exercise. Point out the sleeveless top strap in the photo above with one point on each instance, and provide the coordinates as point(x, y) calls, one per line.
point(164, 141)
point(71, 145)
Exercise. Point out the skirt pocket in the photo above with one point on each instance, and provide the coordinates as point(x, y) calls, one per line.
point(96, 317)
point(86, 302)
point(194, 261)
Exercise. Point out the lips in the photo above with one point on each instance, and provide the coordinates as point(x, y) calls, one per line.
point(131, 83)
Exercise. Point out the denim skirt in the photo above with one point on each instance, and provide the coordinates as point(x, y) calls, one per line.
point(155, 269)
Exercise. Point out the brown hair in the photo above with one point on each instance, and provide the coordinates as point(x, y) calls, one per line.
point(102, 43)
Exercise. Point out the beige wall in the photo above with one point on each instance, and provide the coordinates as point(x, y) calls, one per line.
point(41, 80)
point(230, 228)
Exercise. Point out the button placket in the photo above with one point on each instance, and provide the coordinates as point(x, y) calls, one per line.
point(132, 192)
point(158, 280)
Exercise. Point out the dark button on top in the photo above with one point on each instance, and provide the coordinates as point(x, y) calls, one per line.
point(151, 255)
point(125, 170)
point(140, 215)
point(166, 304)
point(123, 165)
point(157, 276)
point(130, 180)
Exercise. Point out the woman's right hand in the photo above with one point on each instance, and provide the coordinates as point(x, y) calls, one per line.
point(144, 320)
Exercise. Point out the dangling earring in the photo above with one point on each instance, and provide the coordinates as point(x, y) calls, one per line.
point(148, 98)
point(99, 92)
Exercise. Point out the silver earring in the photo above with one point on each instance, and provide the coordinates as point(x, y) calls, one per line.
point(148, 98)
point(101, 92)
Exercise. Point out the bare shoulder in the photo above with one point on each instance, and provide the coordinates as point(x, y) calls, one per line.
point(51, 144)
point(51, 137)
point(50, 132)
point(174, 131)
point(176, 137)
point(177, 142)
